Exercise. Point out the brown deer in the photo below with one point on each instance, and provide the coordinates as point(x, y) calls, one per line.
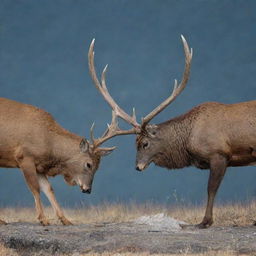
point(210, 136)
point(30, 139)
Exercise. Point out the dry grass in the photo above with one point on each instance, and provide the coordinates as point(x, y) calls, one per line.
point(10, 252)
point(224, 215)
point(6, 251)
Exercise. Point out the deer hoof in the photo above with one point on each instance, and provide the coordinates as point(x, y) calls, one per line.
point(206, 223)
point(65, 221)
point(3, 222)
point(202, 226)
point(44, 222)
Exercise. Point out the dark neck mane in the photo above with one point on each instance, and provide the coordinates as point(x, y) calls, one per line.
point(175, 136)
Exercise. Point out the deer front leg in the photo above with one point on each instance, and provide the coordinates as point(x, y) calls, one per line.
point(48, 190)
point(2, 222)
point(218, 166)
point(29, 170)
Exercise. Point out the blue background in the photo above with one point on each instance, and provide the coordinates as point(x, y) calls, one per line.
point(43, 61)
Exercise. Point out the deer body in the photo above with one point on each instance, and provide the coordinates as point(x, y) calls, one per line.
point(226, 129)
point(28, 131)
point(30, 139)
point(210, 136)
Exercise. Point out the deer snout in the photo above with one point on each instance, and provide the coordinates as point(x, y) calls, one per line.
point(87, 191)
point(140, 167)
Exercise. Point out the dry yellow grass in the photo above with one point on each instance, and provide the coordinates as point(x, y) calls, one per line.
point(7, 251)
point(10, 252)
point(224, 215)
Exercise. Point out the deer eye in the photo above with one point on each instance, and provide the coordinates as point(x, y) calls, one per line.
point(145, 145)
point(89, 165)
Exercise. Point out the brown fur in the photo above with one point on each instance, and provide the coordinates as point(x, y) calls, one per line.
point(30, 139)
point(210, 136)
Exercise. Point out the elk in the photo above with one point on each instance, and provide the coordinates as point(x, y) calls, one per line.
point(31, 140)
point(210, 136)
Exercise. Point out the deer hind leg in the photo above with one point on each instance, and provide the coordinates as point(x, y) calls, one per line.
point(29, 170)
point(218, 166)
point(48, 190)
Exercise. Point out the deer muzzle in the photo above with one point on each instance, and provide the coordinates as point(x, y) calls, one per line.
point(87, 191)
point(140, 166)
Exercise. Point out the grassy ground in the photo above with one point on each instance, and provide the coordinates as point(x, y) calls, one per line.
point(10, 252)
point(224, 215)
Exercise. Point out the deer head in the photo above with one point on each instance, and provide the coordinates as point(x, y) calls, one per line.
point(79, 167)
point(149, 139)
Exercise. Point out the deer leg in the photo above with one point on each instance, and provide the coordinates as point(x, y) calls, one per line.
point(218, 165)
point(29, 170)
point(48, 190)
point(2, 222)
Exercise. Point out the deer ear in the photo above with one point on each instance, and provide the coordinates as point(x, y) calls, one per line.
point(104, 151)
point(84, 145)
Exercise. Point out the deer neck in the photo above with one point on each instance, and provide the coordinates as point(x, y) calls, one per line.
point(64, 148)
point(174, 136)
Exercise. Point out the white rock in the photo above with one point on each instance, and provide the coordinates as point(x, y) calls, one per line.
point(160, 222)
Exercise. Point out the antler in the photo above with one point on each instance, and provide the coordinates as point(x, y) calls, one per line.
point(113, 129)
point(177, 88)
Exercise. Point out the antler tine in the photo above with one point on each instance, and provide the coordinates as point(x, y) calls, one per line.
point(113, 129)
point(133, 114)
point(92, 133)
point(177, 89)
point(113, 125)
point(104, 91)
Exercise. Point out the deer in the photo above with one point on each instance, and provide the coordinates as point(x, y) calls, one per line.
point(210, 136)
point(31, 140)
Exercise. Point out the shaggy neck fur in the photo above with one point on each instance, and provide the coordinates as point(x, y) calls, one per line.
point(174, 135)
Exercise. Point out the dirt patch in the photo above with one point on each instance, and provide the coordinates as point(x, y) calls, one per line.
point(124, 237)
